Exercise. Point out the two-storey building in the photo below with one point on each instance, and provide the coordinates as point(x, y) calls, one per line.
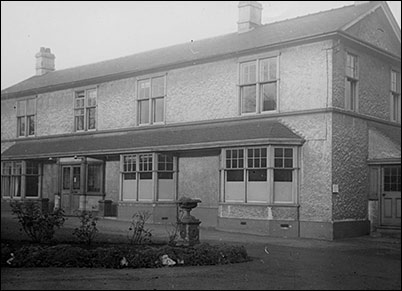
point(290, 128)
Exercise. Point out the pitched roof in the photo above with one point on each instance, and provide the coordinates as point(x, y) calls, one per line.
point(232, 44)
point(169, 138)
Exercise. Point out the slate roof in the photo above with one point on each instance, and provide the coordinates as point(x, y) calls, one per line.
point(168, 138)
point(233, 44)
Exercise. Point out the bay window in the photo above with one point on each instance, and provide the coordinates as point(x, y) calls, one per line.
point(148, 177)
point(266, 174)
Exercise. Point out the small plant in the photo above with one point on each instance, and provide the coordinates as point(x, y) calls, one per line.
point(87, 230)
point(174, 231)
point(137, 233)
point(39, 225)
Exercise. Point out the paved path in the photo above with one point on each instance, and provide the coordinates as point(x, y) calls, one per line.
point(364, 263)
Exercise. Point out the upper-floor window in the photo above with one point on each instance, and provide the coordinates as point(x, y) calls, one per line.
point(258, 85)
point(395, 96)
point(151, 100)
point(85, 104)
point(26, 112)
point(265, 174)
point(352, 78)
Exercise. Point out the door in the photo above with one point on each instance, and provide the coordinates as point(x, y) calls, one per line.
point(70, 188)
point(391, 196)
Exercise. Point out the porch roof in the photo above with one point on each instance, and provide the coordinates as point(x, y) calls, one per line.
point(163, 138)
point(384, 142)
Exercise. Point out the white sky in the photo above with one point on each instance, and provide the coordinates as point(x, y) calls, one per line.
point(85, 32)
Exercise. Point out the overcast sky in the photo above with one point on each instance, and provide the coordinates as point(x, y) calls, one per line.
point(82, 32)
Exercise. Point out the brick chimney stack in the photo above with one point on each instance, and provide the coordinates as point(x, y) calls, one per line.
point(44, 61)
point(249, 15)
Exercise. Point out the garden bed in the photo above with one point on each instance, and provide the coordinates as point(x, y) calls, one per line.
point(113, 255)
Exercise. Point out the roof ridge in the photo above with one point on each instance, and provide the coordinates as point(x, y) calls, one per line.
point(199, 40)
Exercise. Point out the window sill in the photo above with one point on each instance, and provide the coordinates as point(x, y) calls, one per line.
point(259, 204)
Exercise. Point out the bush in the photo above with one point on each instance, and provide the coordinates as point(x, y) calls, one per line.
point(39, 225)
point(137, 233)
point(87, 230)
point(127, 256)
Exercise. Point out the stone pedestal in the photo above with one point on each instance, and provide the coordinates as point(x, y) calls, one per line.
point(189, 226)
point(189, 233)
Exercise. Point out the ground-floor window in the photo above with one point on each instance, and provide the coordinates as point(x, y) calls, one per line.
point(148, 177)
point(266, 174)
point(20, 179)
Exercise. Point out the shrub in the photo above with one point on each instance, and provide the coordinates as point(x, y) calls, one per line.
point(137, 233)
point(39, 225)
point(127, 256)
point(87, 231)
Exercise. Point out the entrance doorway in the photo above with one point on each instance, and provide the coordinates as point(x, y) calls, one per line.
point(391, 196)
point(71, 188)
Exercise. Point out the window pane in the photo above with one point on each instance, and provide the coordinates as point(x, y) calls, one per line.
point(234, 176)
point(165, 175)
point(31, 189)
point(158, 87)
point(278, 153)
point(144, 89)
point(248, 71)
point(158, 110)
point(144, 111)
point(257, 175)
point(91, 97)
point(66, 178)
point(94, 178)
point(146, 176)
point(130, 176)
point(289, 153)
point(288, 163)
point(76, 178)
point(79, 123)
point(248, 99)
point(21, 108)
point(283, 175)
point(21, 126)
point(92, 118)
point(31, 107)
point(268, 69)
point(31, 125)
point(278, 163)
point(268, 96)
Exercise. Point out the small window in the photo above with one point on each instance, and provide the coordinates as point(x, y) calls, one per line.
point(351, 85)
point(85, 108)
point(26, 115)
point(395, 96)
point(151, 100)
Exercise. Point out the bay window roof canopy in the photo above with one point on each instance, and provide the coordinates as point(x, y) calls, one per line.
point(204, 135)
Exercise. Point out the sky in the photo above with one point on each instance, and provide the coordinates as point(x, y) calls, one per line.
point(84, 32)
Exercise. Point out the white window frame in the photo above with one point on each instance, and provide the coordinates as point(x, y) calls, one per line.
point(155, 180)
point(19, 169)
point(152, 99)
point(25, 117)
point(395, 96)
point(352, 77)
point(258, 82)
point(86, 107)
point(270, 168)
